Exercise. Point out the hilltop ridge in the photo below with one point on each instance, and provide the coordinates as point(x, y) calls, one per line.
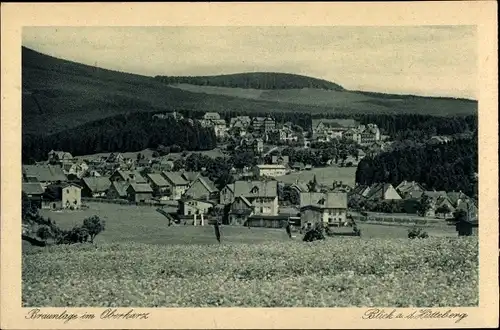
point(255, 80)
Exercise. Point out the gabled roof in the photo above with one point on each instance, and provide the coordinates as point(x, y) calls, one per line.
point(158, 179)
point(256, 188)
point(230, 186)
point(207, 183)
point(407, 186)
point(323, 200)
point(97, 183)
point(175, 178)
point(435, 194)
point(120, 187)
point(245, 200)
point(191, 176)
point(45, 173)
point(140, 187)
point(131, 176)
point(378, 190)
point(32, 188)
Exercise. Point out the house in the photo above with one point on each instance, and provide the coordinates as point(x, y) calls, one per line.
point(263, 124)
point(117, 190)
point(211, 116)
point(287, 135)
point(227, 194)
point(78, 169)
point(159, 184)
point(330, 209)
point(410, 189)
point(173, 115)
point(95, 186)
point(332, 128)
point(192, 206)
point(257, 145)
point(127, 176)
point(202, 189)
point(190, 176)
point(298, 166)
point(139, 192)
point(34, 192)
point(438, 200)
point(62, 196)
point(254, 197)
point(270, 170)
point(163, 165)
point(115, 158)
point(59, 157)
point(241, 122)
point(178, 185)
point(45, 174)
point(282, 160)
point(377, 192)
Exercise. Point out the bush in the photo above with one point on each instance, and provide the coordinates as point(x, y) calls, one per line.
point(44, 233)
point(417, 232)
point(317, 233)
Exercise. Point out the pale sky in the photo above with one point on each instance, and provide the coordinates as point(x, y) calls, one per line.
point(434, 61)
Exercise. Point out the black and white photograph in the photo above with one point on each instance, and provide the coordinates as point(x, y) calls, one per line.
point(250, 167)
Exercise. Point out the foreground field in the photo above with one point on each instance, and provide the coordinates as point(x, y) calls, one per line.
point(334, 273)
point(142, 224)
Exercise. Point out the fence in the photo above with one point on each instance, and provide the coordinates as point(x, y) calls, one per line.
point(122, 201)
point(403, 220)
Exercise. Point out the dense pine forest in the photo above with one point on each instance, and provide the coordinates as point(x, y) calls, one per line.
point(256, 80)
point(448, 166)
point(133, 132)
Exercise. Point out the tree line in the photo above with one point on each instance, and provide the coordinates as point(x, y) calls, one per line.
point(257, 80)
point(447, 166)
point(123, 133)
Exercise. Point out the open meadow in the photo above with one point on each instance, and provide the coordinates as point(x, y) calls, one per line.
point(139, 261)
point(338, 272)
point(324, 175)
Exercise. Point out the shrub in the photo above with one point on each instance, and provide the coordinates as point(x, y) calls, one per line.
point(44, 233)
point(417, 232)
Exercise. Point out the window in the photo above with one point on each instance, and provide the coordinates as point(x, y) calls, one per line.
point(67, 191)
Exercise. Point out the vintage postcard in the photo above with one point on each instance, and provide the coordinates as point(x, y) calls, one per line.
point(249, 165)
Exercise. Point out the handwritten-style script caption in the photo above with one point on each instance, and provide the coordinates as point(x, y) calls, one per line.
point(425, 313)
point(107, 314)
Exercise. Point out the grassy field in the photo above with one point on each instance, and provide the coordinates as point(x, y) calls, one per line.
point(354, 101)
point(142, 224)
point(324, 175)
point(434, 272)
point(139, 261)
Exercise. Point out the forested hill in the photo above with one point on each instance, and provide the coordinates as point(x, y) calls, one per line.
point(449, 166)
point(255, 80)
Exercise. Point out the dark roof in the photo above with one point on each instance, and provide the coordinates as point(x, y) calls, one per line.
point(175, 178)
point(97, 183)
point(208, 184)
point(120, 187)
point(256, 188)
point(336, 200)
point(32, 188)
point(191, 176)
point(140, 187)
point(158, 179)
point(132, 176)
point(45, 173)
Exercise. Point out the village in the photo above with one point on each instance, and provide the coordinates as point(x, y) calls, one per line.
point(272, 193)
